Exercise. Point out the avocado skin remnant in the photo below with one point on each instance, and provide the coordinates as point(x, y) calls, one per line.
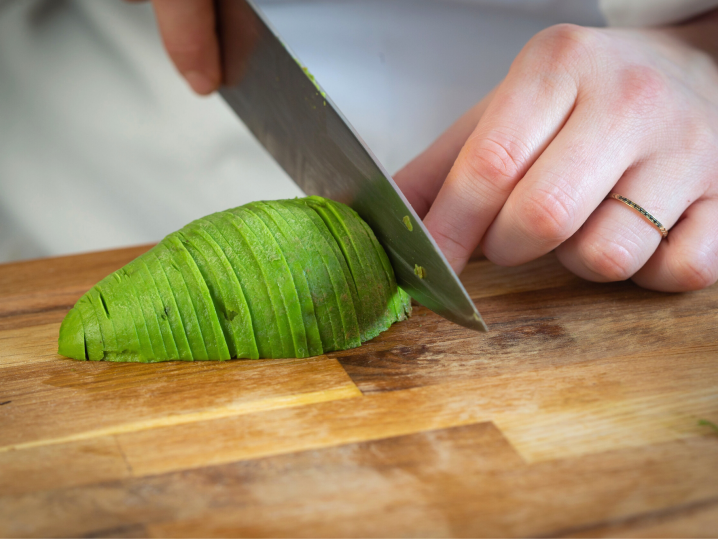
point(276, 279)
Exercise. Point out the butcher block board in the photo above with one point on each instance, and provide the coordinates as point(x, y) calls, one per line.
point(576, 415)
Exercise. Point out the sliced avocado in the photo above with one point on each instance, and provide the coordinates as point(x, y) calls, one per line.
point(84, 336)
point(153, 302)
point(210, 278)
point(400, 299)
point(338, 271)
point(372, 311)
point(301, 232)
point(119, 313)
point(187, 314)
point(107, 329)
point(127, 287)
point(367, 250)
point(256, 290)
point(301, 265)
point(226, 292)
point(72, 336)
point(169, 316)
point(275, 279)
point(281, 285)
point(296, 259)
point(148, 301)
point(93, 334)
point(350, 302)
point(214, 340)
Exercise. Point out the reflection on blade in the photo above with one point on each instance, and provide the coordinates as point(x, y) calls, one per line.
point(298, 124)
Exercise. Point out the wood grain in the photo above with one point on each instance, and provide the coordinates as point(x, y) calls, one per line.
point(576, 415)
point(692, 520)
point(47, 467)
point(102, 399)
point(464, 481)
point(536, 329)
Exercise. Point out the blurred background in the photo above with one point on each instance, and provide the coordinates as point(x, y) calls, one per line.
point(103, 145)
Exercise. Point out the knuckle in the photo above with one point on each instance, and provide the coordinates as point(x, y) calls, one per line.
point(641, 92)
point(699, 137)
point(695, 269)
point(564, 45)
point(572, 33)
point(547, 215)
point(496, 160)
point(609, 259)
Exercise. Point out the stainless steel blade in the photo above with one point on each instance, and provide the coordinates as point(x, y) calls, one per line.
point(290, 114)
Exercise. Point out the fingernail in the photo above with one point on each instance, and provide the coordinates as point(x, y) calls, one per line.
point(199, 82)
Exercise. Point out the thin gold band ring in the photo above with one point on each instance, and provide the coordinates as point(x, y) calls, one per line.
point(655, 222)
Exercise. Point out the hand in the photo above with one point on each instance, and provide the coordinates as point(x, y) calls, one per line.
point(188, 32)
point(584, 112)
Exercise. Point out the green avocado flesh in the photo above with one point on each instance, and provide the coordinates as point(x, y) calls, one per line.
point(275, 279)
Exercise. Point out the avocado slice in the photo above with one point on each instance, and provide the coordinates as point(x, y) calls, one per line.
point(118, 312)
point(189, 322)
point(349, 299)
point(211, 280)
point(146, 313)
point(212, 335)
point(371, 313)
point(107, 329)
point(125, 288)
point(366, 250)
point(93, 335)
point(225, 290)
point(345, 290)
point(72, 336)
point(276, 271)
point(220, 226)
point(170, 315)
point(296, 259)
point(150, 304)
point(301, 242)
point(301, 232)
point(400, 300)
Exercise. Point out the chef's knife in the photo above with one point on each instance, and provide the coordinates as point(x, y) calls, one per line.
point(295, 120)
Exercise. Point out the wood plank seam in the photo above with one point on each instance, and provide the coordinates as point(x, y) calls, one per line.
point(272, 403)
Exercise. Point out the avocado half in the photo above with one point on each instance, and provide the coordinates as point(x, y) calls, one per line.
point(276, 279)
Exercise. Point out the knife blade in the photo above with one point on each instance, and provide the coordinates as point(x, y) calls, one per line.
point(296, 121)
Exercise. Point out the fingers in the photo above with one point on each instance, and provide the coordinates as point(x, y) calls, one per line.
point(421, 179)
point(188, 31)
point(529, 109)
point(566, 184)
point(616, 241)
point(688, 258)
point(517, 126)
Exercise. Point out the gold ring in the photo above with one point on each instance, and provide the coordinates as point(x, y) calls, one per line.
point(655, 222)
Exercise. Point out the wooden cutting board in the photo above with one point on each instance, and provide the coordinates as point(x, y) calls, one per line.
point(576, 415)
